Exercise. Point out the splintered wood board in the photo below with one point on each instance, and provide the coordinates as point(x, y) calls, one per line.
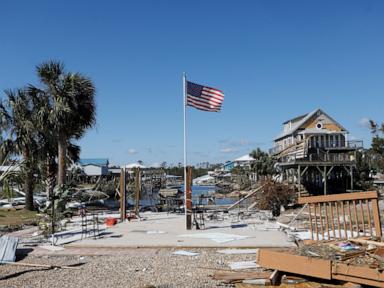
point(358, 274)
point(286, 262)
point(234, 275)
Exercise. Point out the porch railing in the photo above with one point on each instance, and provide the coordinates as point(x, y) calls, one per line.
point(343, 216)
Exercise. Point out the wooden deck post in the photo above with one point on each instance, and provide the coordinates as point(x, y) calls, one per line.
point(188, 199)
point(137, 190)
point(122, 196)
point(325, 180)
point(299, 178)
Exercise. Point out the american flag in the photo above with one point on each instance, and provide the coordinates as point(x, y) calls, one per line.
point(204, 98)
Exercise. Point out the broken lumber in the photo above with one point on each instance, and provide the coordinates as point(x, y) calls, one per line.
point(246, 196)
point(364, 241)
point(233, 276)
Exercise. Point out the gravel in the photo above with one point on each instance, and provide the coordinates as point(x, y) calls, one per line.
point(138, 268)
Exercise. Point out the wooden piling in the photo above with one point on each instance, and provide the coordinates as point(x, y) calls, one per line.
point(188, 198)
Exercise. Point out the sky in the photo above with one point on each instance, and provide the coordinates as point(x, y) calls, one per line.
point(274, 60)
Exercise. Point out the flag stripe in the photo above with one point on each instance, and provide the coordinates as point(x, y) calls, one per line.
point(213, 91)
point(198, 106)
point(196, 103)
point(212, 100)
point(204, 101)
point(202, 108)
point(191, 99)
point(212, 95)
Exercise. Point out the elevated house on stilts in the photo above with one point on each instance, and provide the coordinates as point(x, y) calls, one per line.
point(314, 153)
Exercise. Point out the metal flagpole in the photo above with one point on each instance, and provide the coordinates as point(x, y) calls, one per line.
point(185, 143)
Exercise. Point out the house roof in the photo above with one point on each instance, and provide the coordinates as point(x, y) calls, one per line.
point(295, 119)
point(302, 121)
point(94, 161)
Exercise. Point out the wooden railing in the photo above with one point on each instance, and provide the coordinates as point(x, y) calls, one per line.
point(343, 216)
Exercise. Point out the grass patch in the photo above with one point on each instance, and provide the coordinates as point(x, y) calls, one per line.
point(13, 217)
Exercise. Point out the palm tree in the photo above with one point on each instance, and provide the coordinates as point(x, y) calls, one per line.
point(48, 138)
point(73, 109)
point(17, 116)
point(263, 164)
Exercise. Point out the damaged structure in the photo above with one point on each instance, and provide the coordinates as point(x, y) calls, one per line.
point(314, 152)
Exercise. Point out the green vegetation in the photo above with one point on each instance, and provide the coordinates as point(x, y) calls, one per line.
point(263, 164)
point(20, 217)
point(39, 124)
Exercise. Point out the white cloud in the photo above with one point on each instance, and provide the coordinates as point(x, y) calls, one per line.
point(132, 151)
point(364, 122)
point(228, 150)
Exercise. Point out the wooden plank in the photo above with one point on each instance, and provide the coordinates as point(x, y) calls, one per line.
point(321, 222)
point(358, 271)
point(316, 228)
point(326, 219)
point(376, 218)
point(231, 276)
point(362, 216)
point(338, 220)
point(356, 218)
point(350, 218)
point(310, 220)
point(333, 221)
point(339, 197)
point(365, 241)
point(283, 261)
point(363, 281)
point(369, 216)
point(359, 274)
point(344, 220)
point(245, 197)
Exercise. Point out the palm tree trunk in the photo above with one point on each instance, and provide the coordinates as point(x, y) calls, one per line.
point(28, 181)
point(50, 182)
point(62, 152)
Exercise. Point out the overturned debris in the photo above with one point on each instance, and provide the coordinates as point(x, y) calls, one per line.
point(8, 246)
point(330, 260)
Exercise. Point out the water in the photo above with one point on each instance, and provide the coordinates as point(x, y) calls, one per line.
point(206, 191)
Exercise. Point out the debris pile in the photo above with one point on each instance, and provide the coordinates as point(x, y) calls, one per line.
point(359, 261)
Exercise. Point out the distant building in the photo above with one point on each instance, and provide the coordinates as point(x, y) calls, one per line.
point(94, 166)
point(244, 161)
point(203, 165)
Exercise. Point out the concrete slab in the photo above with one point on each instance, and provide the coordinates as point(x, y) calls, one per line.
point(135, 234)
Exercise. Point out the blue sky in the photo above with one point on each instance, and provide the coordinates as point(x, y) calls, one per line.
point(273, 59)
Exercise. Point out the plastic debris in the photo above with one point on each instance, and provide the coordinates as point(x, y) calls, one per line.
point(185, 253)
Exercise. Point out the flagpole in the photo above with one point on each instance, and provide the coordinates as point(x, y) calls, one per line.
point(185, 143)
